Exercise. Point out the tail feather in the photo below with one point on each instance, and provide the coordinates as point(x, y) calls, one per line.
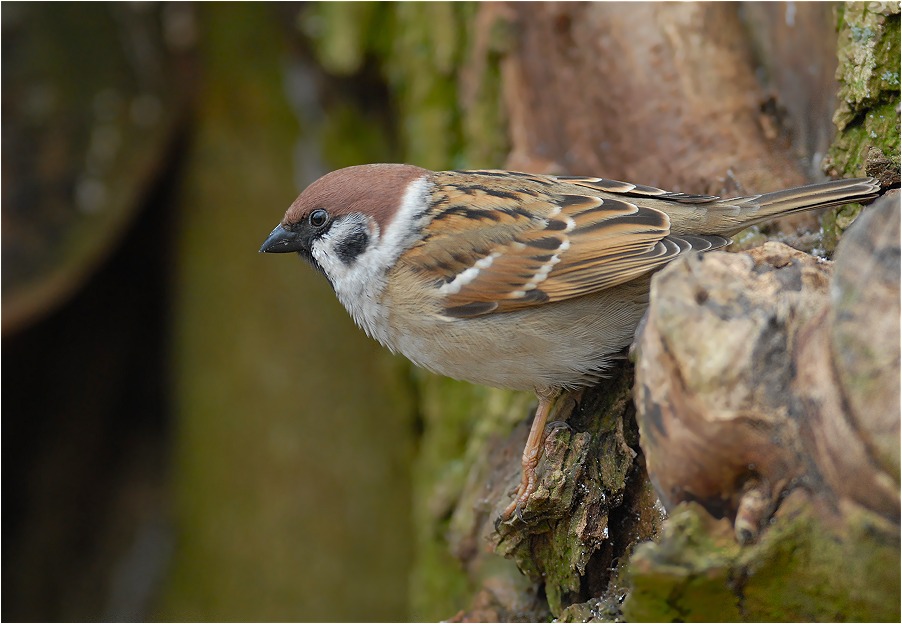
point(821, 194)
point(757, 208)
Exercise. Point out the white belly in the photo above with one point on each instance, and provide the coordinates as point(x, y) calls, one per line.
point(568, 343)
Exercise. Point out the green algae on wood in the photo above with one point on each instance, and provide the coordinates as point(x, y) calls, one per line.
point(460, 420)
point(687, 570)
point(424, 53)
point(868, 50)
point(590, 505)
point(806, 569)
point(867, 117)
point(802, 569)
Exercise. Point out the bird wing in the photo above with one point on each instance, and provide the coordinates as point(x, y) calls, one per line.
point(500, 241)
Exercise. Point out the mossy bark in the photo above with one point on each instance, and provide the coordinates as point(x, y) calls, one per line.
point(801, 570)
point(783, 441)
point(831, 549)
point(551, 88)
point(867, 117)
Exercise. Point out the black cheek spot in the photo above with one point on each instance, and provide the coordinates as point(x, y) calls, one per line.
point(352, 246)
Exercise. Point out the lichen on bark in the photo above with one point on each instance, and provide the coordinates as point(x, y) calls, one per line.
point(867, 116)
point(807, 407)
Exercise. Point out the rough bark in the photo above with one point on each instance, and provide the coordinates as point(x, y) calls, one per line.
point(768, 399)
point(578, 96)
point(867, 118)
point(670, 95)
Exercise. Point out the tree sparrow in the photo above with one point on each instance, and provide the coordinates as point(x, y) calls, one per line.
point(510, 279)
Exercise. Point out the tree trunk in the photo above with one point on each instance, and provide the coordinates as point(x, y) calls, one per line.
point(720, 99)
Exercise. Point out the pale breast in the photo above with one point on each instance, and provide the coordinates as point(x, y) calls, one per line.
point(568, 343)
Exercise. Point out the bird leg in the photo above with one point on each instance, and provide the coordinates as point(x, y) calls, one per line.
point(532, 452)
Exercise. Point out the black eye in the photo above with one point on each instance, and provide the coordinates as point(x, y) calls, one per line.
point(319, 217)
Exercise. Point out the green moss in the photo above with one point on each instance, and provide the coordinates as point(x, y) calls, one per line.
point(342, 33)
point(459, 420)
point(802, 570)
point(686, 576)
point(582, 485)
point(420, 50)
point(868, 50)
point(835, 222)
point(806, 567)
point(878, 127)
point(867, 116)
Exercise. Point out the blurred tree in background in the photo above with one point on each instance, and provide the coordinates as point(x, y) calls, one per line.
point(198, 432)
point(195, 432)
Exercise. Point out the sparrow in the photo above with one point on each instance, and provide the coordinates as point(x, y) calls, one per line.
point(509, 279)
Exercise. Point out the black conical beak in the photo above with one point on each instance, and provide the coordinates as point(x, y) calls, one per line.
point(282, 240)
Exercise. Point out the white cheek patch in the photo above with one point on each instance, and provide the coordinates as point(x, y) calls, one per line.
point(330, 250)
point(401, 230)
point(359, 283)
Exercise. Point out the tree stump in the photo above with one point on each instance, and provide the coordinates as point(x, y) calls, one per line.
point(767, 393)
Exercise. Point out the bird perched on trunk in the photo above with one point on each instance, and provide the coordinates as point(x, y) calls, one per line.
point(510, 279)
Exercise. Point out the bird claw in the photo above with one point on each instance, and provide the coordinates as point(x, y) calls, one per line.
point(556, 425)
point(532, 452)
point(521, 498)
point(515, 509)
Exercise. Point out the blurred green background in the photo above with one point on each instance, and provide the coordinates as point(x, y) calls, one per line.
point(193, 430)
